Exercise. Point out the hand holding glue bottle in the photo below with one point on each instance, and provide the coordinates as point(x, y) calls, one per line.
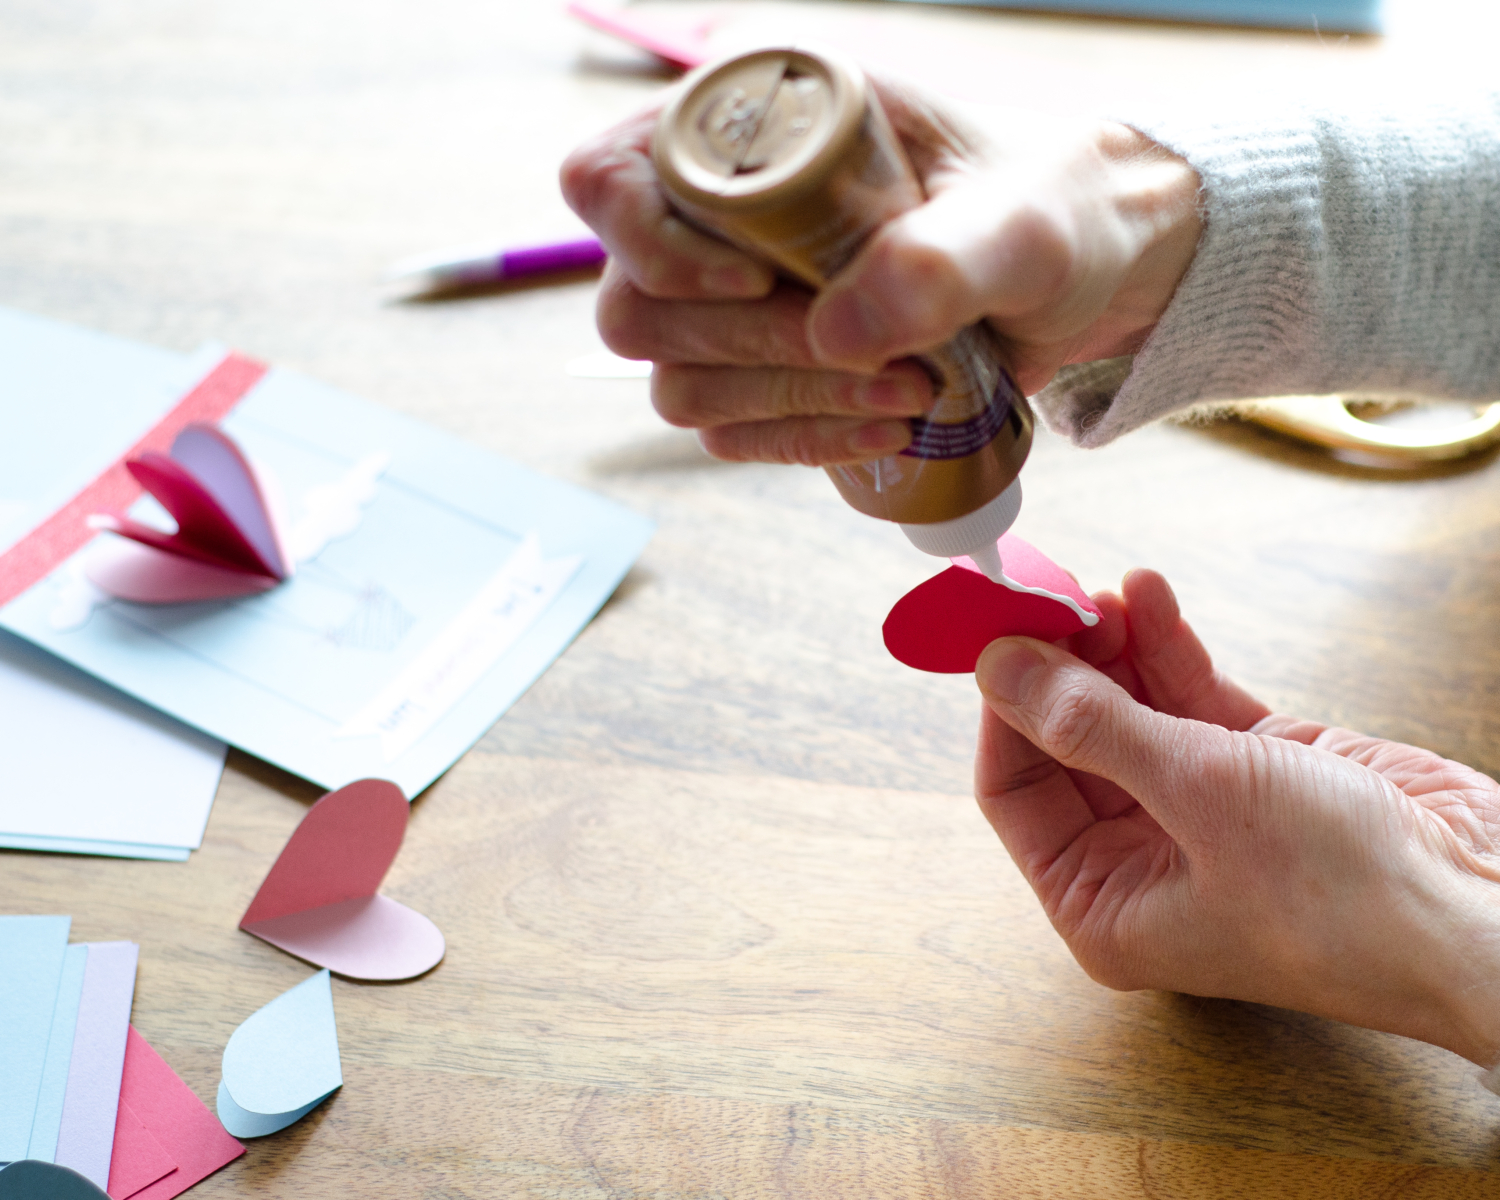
point(790, 156)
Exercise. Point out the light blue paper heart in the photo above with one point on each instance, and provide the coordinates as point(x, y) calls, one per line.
point(282, 1062)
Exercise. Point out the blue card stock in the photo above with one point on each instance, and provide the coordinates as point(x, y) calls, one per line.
point(1343, 16)
point(54, 1089)
point(282, 1062)
point(31, 967)
point(403, 635)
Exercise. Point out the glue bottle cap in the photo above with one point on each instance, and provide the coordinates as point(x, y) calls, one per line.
point(973, 534)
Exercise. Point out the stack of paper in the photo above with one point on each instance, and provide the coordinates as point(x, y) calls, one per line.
point(78, 1086)
point(434, 582)
point(89, 770)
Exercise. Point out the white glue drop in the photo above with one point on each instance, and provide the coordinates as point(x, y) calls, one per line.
point(1084, 615)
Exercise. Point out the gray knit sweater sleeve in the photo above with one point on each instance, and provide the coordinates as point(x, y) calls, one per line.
point(1342, 252)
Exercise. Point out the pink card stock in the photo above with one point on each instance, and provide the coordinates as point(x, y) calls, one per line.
point(227, 541)
point(320, 899)
point(282, 1062)
point(944, 624)
point(162, 1124)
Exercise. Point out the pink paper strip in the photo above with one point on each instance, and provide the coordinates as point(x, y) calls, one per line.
point(175, 1118)
point(65, 532)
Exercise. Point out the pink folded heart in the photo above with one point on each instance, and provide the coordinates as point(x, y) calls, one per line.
point(320, 900)
point(226, 542)
point(944, 624)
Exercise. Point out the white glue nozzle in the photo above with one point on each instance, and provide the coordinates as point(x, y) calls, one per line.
point(987, 560)
point(973, 534)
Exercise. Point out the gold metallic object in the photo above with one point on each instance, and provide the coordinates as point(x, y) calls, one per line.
point(1328, 421)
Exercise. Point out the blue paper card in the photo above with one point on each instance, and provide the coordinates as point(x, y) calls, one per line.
point(1342, 16)
point(31, 967)
point(398, 641)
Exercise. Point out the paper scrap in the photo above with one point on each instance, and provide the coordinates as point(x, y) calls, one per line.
point(54, 1090)
point(177, 1122)
point(138, 1160)
point(320, 899)
point(31, 949)
point(227, 542)
point(89, 770)
point(282, 1062)
point(514, 597)
point(943, 625)
point(87, 1133)
point(31, 1180)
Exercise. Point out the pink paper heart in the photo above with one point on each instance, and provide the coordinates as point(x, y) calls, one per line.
point(320, 900)
point(226, 542)
point(944, 624)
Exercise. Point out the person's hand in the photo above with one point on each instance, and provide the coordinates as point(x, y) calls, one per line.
point(1070, 237)
point(1181, 836)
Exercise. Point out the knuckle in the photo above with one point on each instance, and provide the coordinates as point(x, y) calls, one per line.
point(1073, 724)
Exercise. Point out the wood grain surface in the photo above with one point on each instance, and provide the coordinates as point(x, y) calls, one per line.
point(723, 919)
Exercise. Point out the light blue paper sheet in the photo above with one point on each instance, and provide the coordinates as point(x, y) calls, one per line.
point(89, 770)
point(31, 962)
point(54, 1088)
point(1339, 16)
point(353, 667)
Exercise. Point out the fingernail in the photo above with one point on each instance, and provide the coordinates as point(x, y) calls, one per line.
point(733, 280)
point(1010, 671)
point(880, 437)
point(847, 327)
point(895, 394)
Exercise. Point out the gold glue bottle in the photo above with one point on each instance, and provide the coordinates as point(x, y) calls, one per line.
point(788, 155)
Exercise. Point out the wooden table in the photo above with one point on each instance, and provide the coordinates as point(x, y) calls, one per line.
point(723, 919)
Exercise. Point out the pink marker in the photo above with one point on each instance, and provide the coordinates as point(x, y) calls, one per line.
point(480, 267)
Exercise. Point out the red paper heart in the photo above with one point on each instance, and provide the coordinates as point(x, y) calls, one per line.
point(226, 542)
point(320, 900)
point(944, 624)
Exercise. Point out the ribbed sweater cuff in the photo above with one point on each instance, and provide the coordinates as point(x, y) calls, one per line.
point(1340, 253)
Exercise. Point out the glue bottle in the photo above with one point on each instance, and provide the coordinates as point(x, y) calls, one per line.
point(788, 155)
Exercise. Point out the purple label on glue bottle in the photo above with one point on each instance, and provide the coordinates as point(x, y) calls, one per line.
point(932, 440)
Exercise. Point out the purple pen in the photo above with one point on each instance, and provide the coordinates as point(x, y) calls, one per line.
point(478, 267)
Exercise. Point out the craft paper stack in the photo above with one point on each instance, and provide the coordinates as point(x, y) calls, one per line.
point(78, 1086)
point(89, 770)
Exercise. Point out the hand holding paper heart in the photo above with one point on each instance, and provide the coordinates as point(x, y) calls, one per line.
point(227, 542)
point(1180, 836)
point(943, 624)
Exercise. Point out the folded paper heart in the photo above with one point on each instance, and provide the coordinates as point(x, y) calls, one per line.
point(320, 899)
point(227, 543)
point(282, 1062)
point(944, 624)
point(29, 1179)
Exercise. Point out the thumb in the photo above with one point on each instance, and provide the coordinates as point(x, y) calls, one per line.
point(1087, 722)
point(965, 254)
